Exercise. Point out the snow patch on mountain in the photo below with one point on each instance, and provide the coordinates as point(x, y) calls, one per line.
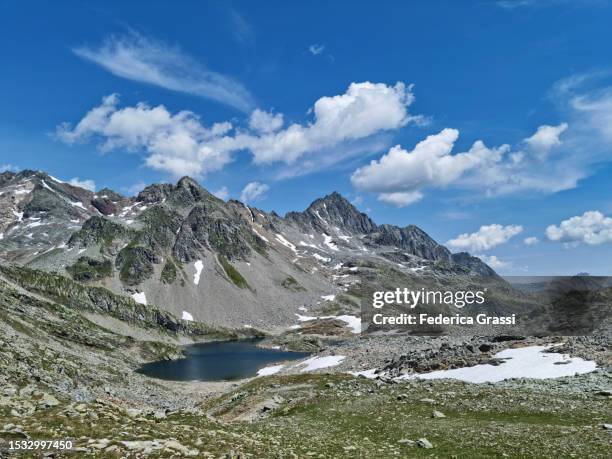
point(285, 242)
point(260, 236)
point(328, 241)
point(187, 316)
point(140, 297)
point(198, 265)
point(353, 322)
point(78, 204)
point(320, 258)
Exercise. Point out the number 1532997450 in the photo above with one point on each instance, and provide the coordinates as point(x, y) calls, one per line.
point(40, 444)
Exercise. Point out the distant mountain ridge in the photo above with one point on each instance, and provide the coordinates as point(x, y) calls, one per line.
point(219, 262)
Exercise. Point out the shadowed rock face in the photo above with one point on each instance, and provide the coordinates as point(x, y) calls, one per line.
point(410, 239)
point(6, 177)
point(48, 202)
point(136, 264)
point(104, 205)
point(473, 263)
point(213, 228)
point(155, 193)
point(97, 230)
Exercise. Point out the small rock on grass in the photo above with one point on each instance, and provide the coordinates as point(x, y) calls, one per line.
point(438, 414)
point(48, 401)
point(160, 414)
point(405, 441)
point(133, 412)
point(424, 443)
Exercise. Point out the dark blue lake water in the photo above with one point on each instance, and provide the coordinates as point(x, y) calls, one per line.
point(218, 361)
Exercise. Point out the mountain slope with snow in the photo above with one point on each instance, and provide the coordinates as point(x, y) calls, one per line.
point(217, 262)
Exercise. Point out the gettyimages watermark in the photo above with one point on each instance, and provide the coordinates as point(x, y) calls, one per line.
point(542, 305)
point(411, 299)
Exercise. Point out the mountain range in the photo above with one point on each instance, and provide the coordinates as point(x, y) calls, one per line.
point(206, 260)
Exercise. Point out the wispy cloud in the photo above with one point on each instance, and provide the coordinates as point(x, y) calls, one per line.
point(321, 51)
point(243, 31)
point(454, 215)
point(8, 168)
point(253, 191)
point(315, 49)
point(86, 183)
point(222, 193)
point(136, 188)
point(493, 261)
point(143, 59)
point(513, 4)
point(523, 4)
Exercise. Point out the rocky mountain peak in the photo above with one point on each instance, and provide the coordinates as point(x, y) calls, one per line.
point(188, 191)
point(187, 182)
point(185, 193)
point(334, 199)
point(155, 193)
point(27, 173)
point(334, 211)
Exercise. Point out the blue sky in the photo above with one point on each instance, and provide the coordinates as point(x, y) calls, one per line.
point(282, 102)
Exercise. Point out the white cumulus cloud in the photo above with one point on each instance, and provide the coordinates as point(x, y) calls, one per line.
point(592, 228)
point(265, 122)
point(176, 143)
point(87, 184)
point(181, 145)
point(493, 261)
point(546, 138)
point(138, 58)
point(532, 240)
point(429, 164)
point(492, 170)
point(253, 191)
point(487, 237)
point(363, 110)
